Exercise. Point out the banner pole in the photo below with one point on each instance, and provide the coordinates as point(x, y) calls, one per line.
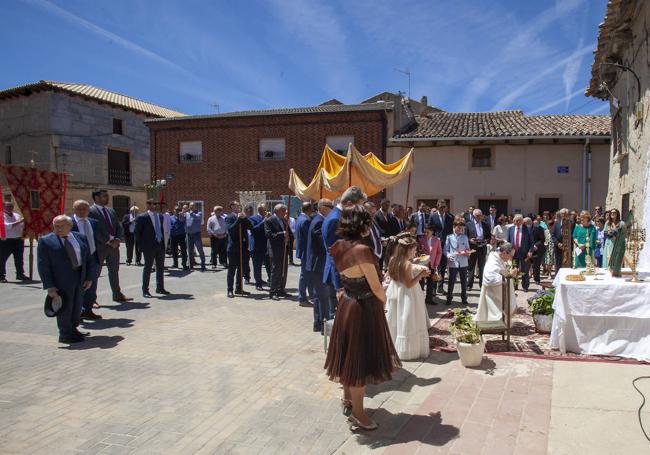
point(408, 194)
point(31, 256)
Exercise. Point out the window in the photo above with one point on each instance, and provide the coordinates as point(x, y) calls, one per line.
point(272, 149)
point(482, 157)
point(617, 133)
point(119, 167)
point(625, 206)
point(117, 126)
point(199, 207)
point(121, 205)
point(7, 156)
point(500, 204)
point(339, 143)
point(191, 152)
point(550, 204)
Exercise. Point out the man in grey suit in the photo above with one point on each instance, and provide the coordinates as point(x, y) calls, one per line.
point(109, 235)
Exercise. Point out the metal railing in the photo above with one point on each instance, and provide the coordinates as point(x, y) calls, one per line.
point(119, 177)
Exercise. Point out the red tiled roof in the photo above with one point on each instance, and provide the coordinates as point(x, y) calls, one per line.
point(503, 124)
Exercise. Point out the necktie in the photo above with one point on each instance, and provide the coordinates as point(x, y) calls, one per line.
point(107, 218)
point(156, 226)
point(90, 235)
point(421, 226)
point(517, 239)
point(69, 249)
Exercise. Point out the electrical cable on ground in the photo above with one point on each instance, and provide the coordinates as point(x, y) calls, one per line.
point(642, 404)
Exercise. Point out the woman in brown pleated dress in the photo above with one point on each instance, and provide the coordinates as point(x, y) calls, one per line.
point(361, 350)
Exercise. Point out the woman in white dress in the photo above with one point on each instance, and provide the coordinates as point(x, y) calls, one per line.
point(500, 232)
point(407, 315)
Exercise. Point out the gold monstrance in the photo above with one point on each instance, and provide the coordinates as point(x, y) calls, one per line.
point(635, 237)
point(590, 269)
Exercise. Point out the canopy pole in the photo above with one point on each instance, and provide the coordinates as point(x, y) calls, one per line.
point(408, 194)
point(31, 256)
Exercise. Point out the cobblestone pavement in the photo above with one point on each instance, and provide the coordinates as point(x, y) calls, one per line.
point(196, 372)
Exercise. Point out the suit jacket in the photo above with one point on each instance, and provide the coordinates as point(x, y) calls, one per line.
point(491, 220)
point(386, 225)
point(55, 268)
point(233, 222)
point(103, 231)
point(302, 232)
point(556, 233)
point(435, 252)
point(258, 236)
point(126, 222)
point(415, 219)
point(470, 230)
point(525, 241)
point(442, 230)
point(145, 233)
point(330, 274)
point(94, 226)
point(538, 238)
point(276, 235)
point(397, 225)
point(315, 254)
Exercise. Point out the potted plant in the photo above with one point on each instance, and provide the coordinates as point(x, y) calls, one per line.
point(469, 341)
point(541, 306)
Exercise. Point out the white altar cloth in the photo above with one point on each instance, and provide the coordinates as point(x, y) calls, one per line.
point(602, 315)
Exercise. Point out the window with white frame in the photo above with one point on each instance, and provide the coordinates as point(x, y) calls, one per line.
point(339, 143)
point(272, 149)
point(191, 152)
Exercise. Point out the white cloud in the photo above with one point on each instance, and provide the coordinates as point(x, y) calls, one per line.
point(564, 99)
point(571, 71)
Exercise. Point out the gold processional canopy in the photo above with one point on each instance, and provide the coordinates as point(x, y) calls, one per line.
point(336, 173)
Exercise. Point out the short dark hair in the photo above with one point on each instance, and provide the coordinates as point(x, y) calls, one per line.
point(234, 203)
point(97, 192)
point(493, 206)
point(354, 220)
point(306, 207)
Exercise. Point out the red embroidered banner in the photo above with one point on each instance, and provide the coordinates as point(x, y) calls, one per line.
point(38, 195)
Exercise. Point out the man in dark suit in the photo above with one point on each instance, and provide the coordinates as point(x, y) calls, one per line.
point(258, 247)
point(539, 249)
point(88, 227)
point(559, 242)
point(315, 258)
point(478, 232)
point(421, 220)
point(302, 230)
point(149, 234)
point(520, 238)
point(66, 269)
point(109, 236)
point(374, 237)
point(128, 226)
point(237, 223)
point(492, 218)
point(279, 240)
point(443, 224)
point(383, 219)
point(397, 222)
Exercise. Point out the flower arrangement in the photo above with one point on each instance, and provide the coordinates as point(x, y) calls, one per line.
point(542, 302)
point(463, 327)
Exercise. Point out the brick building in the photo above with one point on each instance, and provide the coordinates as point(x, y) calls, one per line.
point(208, 158)
point(96, 135)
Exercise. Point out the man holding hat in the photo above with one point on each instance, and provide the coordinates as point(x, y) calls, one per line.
point(67, 270)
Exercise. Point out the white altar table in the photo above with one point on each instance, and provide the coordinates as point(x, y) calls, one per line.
point(602, 315)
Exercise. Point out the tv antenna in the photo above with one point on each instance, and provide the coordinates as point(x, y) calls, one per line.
point(216, 106)
point(406, 72)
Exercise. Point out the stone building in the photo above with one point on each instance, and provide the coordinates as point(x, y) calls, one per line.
point(519, 163)
point(621, 73)
point(97, 136)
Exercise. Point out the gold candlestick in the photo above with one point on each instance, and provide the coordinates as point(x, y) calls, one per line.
point(635, 240)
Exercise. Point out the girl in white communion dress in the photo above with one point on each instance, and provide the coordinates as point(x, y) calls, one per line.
point(407, 315)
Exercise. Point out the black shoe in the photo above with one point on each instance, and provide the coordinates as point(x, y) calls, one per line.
point(146, 294)
point(247, 281)
point(305, 303)
point(230, 295)
point(138, 263)
point(22, 278)
point(317, 327)
point(442, 292)
point(264, 283)
point(214, 266)
point(242, 292)
point(3, 280)
point(90, 315)
point(128, 263)
point(464, 302)
point(203, 269)
point(469, 288)
point(259, 288)
point(273, 296)
point(283, 294)
point(71, 339)
point(185, 267)
point(162, 291)
point(83, 334)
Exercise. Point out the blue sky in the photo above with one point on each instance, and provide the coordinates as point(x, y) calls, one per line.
point(188, 55)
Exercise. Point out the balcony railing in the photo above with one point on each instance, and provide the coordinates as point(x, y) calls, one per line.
point(191, 158)
point(119, 177)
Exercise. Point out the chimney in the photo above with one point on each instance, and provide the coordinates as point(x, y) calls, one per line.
point(424, 101)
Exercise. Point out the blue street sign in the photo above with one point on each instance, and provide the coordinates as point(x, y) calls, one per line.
point(563, 169)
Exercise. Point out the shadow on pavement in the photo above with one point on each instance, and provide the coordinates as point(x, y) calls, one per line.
point(127, 306)
point(174, 296)
point(95, 342)
point(426, 429)
point(101, 324)
point(403, 381)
